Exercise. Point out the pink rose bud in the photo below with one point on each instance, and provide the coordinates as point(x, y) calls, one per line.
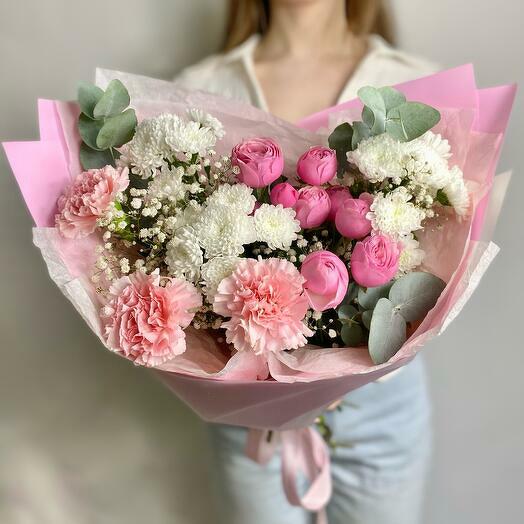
point(260, 161)
point(317, 166)
point(337, 195)
point(374, 261)
point(284, 194)
point(312, 207)
point(351, 220)
point(327, 280)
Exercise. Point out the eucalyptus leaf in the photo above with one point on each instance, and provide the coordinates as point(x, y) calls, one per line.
point(413, 118)
point(351, 293)
point(368, 117)
point(346, 311)
point(340, 141)
point(368, 297)
point(89, 129)
point(415, 294)
point(387, 331)
point(392, 98)
point(114, 100)
point(371, 97)
point(88, 96)
point(379, 124)
point(360, 132)
point(366, 317)
point(117, 130)
point(93, 159)
point(351, 334)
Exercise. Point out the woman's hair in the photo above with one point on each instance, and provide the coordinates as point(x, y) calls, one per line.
point(247, 17)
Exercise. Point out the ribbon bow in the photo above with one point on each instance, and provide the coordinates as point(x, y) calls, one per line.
point(304, 451)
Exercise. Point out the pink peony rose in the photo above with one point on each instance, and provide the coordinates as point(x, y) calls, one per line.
point(144, 321)
point(337, 195)
point(260, 161)
point(87, 199)
point(327, 279)
point(266, 303)
point(351, 220)
point(317, 166)
point(284, 194)
point(312, 207)
point(374, 260)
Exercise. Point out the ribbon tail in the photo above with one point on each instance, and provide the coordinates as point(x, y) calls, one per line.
point(261, 445)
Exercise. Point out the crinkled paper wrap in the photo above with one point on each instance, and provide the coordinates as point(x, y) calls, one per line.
point(224, 388)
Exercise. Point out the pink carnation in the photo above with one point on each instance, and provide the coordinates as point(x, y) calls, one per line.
point(144, 321)
point(87, 199)
point(266, 303)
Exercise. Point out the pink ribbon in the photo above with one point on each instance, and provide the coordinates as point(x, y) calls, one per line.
point(304, 451)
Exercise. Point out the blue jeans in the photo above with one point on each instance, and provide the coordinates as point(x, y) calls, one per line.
point(378, 479)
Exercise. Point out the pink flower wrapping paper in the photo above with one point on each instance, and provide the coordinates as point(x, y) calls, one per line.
point(225, 389)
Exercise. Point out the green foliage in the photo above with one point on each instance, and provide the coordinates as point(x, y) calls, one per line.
point(88, 97)
point(366, 317)
point(340, 141)
point(415, 294)
point(352, 334)
point(104, 123)
point(113, 101)
point(385, 110)
point(411, 120)
point(368, 297)
point(387, 331)
point(386, 310)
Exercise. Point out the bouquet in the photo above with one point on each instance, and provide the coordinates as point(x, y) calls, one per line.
point(251, 262)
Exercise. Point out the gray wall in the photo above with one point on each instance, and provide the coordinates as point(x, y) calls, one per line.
point(80, 437)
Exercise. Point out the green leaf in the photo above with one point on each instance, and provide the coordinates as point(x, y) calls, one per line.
point(368, 297)
point(351, 334)
point(366, 317)
point(371, 97)
point(368, 117)
point(360, 132)
point(93, 159)
point(351, 293)
point(88, 96)
point(117, 130)
point(346, 312)
point(113, 101)
point(392, 98)
point(415, 294)
point(411, 119)
point(89, 129)
point(442, 198)
point(387, 331)
point(340, 141)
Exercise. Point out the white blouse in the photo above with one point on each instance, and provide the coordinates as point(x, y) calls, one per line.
point(232, 74)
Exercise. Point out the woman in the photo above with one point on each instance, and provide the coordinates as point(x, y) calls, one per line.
point(293, 58)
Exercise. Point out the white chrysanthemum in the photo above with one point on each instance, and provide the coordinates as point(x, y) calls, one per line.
point(207, 120)
point(183, 255)
point(394, 214)
point(425, 161)
point(457, 192)
point(411, 255)
point(167, 185)
point(147, 151)
point(223, 230)
point(188, 137)
point(237, 196)
point(276, 226)
point(214, 271)
point(439, 144)
point(378, 158)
